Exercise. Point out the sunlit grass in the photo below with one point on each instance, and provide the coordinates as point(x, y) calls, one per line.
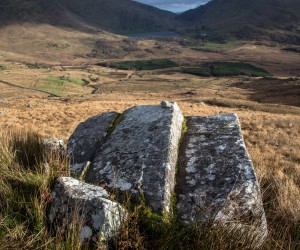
point(25, 185)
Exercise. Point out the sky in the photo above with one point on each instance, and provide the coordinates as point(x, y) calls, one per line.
point(174, 5)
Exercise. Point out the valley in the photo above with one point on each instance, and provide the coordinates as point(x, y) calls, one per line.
point(63, 67)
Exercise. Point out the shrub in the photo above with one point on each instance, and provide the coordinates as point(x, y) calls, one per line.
point(141, 64)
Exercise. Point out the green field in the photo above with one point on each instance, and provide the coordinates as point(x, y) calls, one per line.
point(61, 80)
point(59, 85)
point(141, 64)
point(215, 47)
point(219, 69)
point(200, 71)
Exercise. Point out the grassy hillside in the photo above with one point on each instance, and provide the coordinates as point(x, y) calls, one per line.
point(124, 16)
point(247, 19)
point(118, 16)
point(25, 188)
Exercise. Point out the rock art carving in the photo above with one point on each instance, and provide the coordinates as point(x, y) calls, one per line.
point(137, 152)
point(216, 178)
point(140, 155)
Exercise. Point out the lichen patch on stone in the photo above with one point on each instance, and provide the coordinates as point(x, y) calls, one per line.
point(140, 156)
point(76, 201)
point(216, 178)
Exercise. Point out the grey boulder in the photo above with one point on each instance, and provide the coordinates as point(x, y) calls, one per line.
point(216, 180)
point(140, 155)
point(53, 144)
point(87, 205)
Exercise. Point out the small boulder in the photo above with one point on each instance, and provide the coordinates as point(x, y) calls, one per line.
point(53, 144)
point(87, 205)
point(30, 105)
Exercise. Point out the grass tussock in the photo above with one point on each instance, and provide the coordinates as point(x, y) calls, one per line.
point(146, 230)
point(28, 172)
point(24, 189)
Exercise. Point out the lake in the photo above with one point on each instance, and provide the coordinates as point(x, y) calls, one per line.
point(155, 34)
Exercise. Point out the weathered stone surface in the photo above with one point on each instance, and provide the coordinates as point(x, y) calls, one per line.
point(89, 205)
point(216, 179)
point(140, 155)
point(166, 104)
point(87, 138)
point(53, 144)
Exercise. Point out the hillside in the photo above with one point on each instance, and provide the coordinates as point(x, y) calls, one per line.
point(121, 16)
point(112, 15)
point(275, 19)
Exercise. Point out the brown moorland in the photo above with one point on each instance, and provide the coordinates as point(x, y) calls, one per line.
point(61, 64)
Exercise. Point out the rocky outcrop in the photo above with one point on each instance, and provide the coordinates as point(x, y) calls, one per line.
point(216, 180)
point(87, 205)
point(88, 137)
point(140, 155)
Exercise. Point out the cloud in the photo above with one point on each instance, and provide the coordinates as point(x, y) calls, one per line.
point(174, 5)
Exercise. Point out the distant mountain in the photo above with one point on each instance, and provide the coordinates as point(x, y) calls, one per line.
point(121, 15)
point(124, 16)
point(277, 20)
point(247, 18)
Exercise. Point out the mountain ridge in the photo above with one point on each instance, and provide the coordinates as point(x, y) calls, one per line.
point(276, 20)
point(237, 18)
point(114, 16)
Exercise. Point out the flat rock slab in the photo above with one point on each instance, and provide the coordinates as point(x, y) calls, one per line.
point(88, 205)
point(216, 179)
point(87, 138)
point(140, 155)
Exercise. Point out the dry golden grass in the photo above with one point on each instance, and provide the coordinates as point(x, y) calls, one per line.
point(272, 132)
point(271, 129)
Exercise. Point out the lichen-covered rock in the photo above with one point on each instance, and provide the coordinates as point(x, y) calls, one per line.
point(87, 138)
point(216, 179)
point(166, 104)
point(53, 144)
point(140, 155)
point(89, 206)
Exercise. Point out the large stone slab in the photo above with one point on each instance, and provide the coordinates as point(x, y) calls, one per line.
point(89, 206)
point(87, 138)
point(140, 155)
point(216, 179)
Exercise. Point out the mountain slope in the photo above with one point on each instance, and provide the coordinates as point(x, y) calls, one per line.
point(112, 15)
point(247, 18)
point(121, 16)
